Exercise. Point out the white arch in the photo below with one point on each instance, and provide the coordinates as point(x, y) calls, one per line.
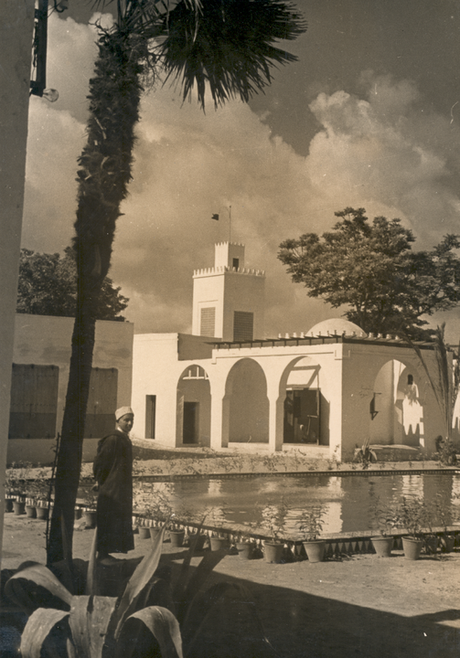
point(193, 407)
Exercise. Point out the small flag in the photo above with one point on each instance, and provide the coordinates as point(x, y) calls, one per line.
point(216, 217)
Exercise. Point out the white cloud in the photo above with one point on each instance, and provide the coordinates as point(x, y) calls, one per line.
point(382, 151)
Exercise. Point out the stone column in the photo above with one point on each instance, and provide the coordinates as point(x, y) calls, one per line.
point(16, 32)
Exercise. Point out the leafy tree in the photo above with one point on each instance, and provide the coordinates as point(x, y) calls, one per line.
point(48, 286)
point(371, 268)
point(226, 46)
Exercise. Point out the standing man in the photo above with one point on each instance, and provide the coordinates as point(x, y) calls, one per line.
point(113, 466)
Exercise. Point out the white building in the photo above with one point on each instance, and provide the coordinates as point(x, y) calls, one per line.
point(41, 359)
point(328, 390)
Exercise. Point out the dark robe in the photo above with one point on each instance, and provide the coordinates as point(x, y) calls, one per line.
point(112, 469)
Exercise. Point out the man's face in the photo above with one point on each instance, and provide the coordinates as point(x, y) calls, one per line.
point(125, 423)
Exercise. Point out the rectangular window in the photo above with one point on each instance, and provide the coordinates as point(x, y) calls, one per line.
point(208, 321)
point(235, 263)
point(243, 326)
point(34, 397)
point(102, 402)
point(150, 413)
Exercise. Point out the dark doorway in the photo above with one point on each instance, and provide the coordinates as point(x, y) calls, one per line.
point(191, 418)
point(150, 413)
point(302, 416)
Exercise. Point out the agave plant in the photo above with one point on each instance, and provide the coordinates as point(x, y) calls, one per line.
point(144, 620)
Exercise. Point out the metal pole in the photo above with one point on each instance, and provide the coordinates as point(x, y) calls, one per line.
point(229, 224)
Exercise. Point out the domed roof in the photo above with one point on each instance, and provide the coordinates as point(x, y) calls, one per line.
point(333, 326)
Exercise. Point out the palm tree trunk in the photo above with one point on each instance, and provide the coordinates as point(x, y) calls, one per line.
point(105, 171)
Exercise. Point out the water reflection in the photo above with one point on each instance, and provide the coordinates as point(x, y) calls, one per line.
point(345, 500)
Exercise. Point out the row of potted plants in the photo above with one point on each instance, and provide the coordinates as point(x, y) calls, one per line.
point(414, 519)
point(411, 519)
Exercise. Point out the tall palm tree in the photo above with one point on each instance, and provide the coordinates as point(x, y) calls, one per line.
point(226, 46)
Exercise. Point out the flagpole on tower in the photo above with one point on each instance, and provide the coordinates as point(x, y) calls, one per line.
point(229, 224)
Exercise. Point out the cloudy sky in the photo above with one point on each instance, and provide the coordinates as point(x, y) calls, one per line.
point(368, 117)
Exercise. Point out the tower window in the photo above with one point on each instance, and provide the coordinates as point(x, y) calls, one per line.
point(243, 325)
point(208, 321)
point(235, 263)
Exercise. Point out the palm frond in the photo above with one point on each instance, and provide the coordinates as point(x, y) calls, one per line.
point(231, 48)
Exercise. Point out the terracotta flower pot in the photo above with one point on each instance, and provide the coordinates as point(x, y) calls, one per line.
point(8, 504)
point(447, 543)
point(197, 541)
point(273, 551)
point(412, 547)
point(382, 546)
point(31, 511)
point(244, 549)
point(144, 532)
point(19, 507)
point(90, 519)
point(77, 513)
point(431, 545)
point(315, 550)
point(154, 531)
point(42, 513)
point(219, 543)
point(177, 537)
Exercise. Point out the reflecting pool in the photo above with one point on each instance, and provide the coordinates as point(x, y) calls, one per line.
point(346, 501)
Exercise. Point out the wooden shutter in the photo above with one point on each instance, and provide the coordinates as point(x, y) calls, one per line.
point(34, 397)
point(102, 402)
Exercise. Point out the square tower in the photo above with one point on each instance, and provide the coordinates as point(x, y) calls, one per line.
point(228, 299)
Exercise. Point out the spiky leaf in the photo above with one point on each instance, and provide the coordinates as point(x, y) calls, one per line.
point(36, 586)
point(38, 627)
point(163, 625)
point(142, 575)
point(89, 622)
point(91, 577)
point(198, 579)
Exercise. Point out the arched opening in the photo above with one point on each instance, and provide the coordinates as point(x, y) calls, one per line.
point(193, 425)
point(397, 415)
point(247, 403)
point(306, 409)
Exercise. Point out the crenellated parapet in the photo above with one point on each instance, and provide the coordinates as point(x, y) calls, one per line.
point(246, 271)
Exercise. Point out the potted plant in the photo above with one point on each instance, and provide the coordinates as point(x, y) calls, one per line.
point(39, 490)
point(244, 545)
point(17, 477)
point(176, 535)
point(412, 516)
point(384, 518)
point(10, 484)
point(443, 518)
point(153, 507)
point(31, 511)
point(310, 525)
point(273, 520)
point(89, 509)
point(144, 529)
point(195, 538)
point(220, 540)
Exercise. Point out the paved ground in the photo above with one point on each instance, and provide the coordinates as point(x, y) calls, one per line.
point(361, 606)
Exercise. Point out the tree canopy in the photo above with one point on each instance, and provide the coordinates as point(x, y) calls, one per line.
point(48, 286)
point(371, 268)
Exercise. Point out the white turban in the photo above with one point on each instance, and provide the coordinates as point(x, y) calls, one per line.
point(122, 411)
